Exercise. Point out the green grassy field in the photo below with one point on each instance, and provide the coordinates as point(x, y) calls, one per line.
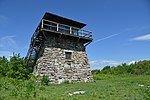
point(105, 87)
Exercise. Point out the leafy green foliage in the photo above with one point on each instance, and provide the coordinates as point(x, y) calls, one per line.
point(3, 66)
point(147, 94)
point(114, 87)
point(138, 68)
point(19, 88)
point(14, 68)
point(66, 82)
point(45, 80)
point(120, 82)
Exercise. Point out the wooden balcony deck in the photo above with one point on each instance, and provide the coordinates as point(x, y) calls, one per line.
point(51, 26)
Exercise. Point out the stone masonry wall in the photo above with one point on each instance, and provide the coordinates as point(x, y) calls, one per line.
point(52, 61)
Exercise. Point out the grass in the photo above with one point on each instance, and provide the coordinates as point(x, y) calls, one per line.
point(105, 87)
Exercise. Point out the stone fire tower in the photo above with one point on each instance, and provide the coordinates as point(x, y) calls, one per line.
point(58, 50)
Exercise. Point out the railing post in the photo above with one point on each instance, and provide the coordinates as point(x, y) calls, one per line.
point(57, 26)
point(70, 30)
point(82, 33)
point(90, 35)
point(42, 24)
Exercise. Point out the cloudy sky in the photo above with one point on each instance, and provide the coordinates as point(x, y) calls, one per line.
point(121, 28)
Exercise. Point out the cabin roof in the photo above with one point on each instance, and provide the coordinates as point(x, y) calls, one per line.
point(63, 20)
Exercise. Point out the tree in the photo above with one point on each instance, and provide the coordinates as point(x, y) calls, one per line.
point(15, 68)
point(3, 66)
point(106, 70)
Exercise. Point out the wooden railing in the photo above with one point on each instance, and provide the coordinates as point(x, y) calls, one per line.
point(65, 29)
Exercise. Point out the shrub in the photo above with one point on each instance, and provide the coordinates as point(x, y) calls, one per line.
point(15, 68)
point(45, 80)
point(66, 82)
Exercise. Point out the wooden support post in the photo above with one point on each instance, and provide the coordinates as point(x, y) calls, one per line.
point(70, 30)
point(42, 24)
point(87, 43)
point(44, 35)
point(57, 26)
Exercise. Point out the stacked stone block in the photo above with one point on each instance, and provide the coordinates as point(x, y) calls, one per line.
point(53, 63)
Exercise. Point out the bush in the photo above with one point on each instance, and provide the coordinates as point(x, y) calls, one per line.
point(138, 68)
point(15, 68)
point(66, 82)
point(45, 80)
point(96, 71)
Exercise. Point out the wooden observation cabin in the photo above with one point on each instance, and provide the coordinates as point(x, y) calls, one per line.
point(58, 50)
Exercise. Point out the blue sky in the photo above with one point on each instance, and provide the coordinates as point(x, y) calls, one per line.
point(121, 28)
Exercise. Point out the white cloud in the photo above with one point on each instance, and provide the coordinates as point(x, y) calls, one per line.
point(99, 64)
point(131, 62)
point(4, 21)
point(2, 17)
point(7, 54)
point(8, 43)
point(142, 38)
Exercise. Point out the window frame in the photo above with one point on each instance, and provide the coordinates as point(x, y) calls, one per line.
point(68, 55)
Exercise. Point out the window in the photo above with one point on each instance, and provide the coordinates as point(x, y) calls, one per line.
point(74, 31)
point(64, 29)
point(49, 25)
point(68, 55)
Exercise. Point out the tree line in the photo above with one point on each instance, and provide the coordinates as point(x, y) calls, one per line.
point(15, 68)
point(138, 68)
